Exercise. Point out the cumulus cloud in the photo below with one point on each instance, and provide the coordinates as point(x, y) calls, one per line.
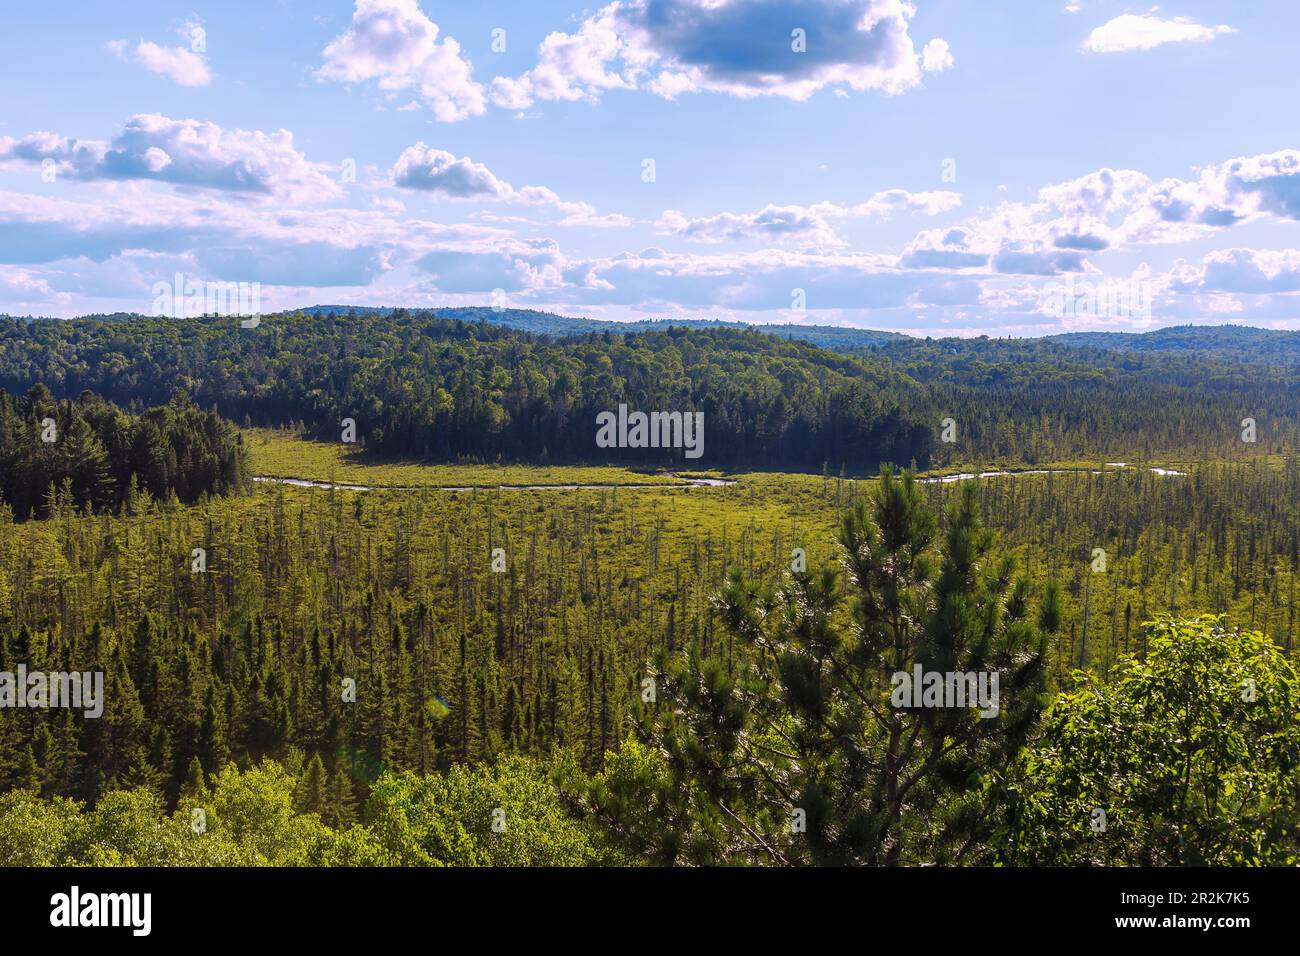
point(233, 241)
point(771, 223)
point(176, 63)
point(885, 203)
point(1239, 190)
point(1110, 209)
point(184, 65)
point(1269, 183)
point(23, 282)
point(182, 152)
point(56, 251)
point(1004, 243)
point(393, 43)
point(745, 48)
point(813, 225)
point(1096, 194)
point(1013, 238)
point(936, 57)
point(1010, 241)
point(575, 66)
point(1132, 31)
point(1024, 259)
point(526, 267)
point(1251, 271)
point(956, 248)
point(438, 172)
point(446, 176)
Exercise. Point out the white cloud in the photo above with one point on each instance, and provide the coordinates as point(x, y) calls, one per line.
point(393, 43)
point(811, 225)
point(1111, 209)
point(183, 65)
point(439, 173)
point(1239, 190)
point(233, 241)
point(176, 63)
point(445, 176)
point(1132, 31)
point(182, 152)
point(789, 48)
point(528, 267)
point(1249, 271)
point(753, 280)
point(936, 56)
point(573, 66)
point(23, 281)
point(771, 223)
point(885, 203)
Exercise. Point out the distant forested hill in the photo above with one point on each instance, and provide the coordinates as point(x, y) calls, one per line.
point(1228, 343)
point(985, 361)
point(560, 326)
point(420, 385)
point(1231, 343)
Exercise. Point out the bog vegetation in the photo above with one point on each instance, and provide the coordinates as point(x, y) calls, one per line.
point(647, 675)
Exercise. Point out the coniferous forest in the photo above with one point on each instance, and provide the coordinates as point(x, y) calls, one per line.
point(106, 459)
point(415, 661)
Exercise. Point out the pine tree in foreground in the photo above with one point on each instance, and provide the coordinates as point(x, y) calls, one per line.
point(810, 754)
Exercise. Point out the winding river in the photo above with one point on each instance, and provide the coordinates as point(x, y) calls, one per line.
point(681, 482)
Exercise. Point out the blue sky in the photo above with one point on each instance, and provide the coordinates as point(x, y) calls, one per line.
point(937, 167)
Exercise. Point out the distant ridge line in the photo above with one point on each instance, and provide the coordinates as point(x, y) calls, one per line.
point(1231, 343)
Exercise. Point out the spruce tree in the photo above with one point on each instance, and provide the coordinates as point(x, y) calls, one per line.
point(311, 795)
point(213, 749)
point(341, 803)
point(194, 788)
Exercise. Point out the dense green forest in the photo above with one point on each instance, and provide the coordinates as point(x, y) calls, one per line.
point(424, 387)
point(433, 388)
point(649, 675)
point(90, 456)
